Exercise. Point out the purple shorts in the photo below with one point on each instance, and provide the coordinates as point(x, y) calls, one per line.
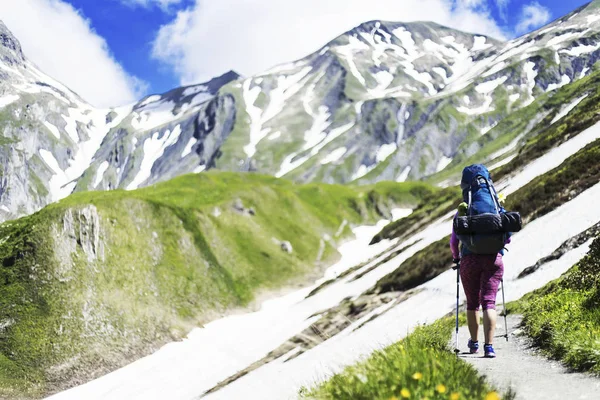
point(481, 276)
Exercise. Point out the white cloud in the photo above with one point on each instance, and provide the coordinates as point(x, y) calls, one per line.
point(502, 8)
point(212, 37)
point(533, 16)
point(163, 4)
point(62, 43)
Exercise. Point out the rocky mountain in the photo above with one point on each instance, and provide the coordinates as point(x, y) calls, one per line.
point(384, 101)
point(402, 101)
point(49, 135)
point(164, 136)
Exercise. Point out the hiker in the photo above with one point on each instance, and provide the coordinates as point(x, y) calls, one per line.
point(481, 274)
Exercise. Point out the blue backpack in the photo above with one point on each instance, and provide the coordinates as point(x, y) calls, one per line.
point(479, 193)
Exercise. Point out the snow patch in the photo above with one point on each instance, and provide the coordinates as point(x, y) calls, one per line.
point(561, 38)
point(100, 173)
point(510, 147)
point(488, 128)
point(384, 80)
point(50, 161)
point(275, 136)
point(490, 86)
point(153, 115)
point(531, 75)
point(385, 151)
point(7, 100)
point(250, 96)
point(334, 156)
point(150, 100)
point(593, 18)
point(568, 109)
point(495, 69)
point(53, 129)
point(583, 72)
point(287, 86)
point(154, 148)
point(443, 163)
point(441, 72)
point(580, 50)
point(565, 80)
point(362, 171)
point(349, 51)
point(480, 43)
point(485, 108)
point(407, 41)
point(399, 213)
point(404, 175)
point(291, 162)
point(188, 147)
point(316, 134)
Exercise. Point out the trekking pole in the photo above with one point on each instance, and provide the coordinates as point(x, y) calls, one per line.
point(504, 306)
point(457, 268)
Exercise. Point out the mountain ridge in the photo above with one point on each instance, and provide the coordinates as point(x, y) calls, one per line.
point(383, 101)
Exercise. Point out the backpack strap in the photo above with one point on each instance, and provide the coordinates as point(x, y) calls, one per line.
point(492, 190)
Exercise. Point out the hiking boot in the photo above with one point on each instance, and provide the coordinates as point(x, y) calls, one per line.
point(489, 351)
point(473, 347)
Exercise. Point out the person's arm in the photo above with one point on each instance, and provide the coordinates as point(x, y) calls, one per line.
point(454, 242)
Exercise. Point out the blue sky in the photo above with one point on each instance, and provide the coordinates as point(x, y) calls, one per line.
point(131, 30)
point(112, 52)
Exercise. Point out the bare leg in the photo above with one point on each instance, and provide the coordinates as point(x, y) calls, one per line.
point(473, 322)
point(489, 325)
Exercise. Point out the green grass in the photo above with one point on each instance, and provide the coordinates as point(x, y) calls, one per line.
point(81, 296)
point(563, 318)
point(433, 206)
point(553, 189)
point(420, 366)
point(418, 269)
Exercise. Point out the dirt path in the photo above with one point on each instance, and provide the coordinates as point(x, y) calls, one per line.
point(531, 375)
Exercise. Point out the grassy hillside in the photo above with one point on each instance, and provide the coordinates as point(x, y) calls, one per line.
point(563, 318)
point(99, 279)
point(419, 367)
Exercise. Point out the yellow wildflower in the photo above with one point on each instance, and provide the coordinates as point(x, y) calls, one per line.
point(442, 389)
point(454, 396)
point(405, 393)
point(393, 398)
point(417, 376)
point(492, 396)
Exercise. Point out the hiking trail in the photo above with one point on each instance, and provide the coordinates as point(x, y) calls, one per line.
point(521, 367)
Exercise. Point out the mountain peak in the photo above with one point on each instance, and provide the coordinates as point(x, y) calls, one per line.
point(11, 52)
